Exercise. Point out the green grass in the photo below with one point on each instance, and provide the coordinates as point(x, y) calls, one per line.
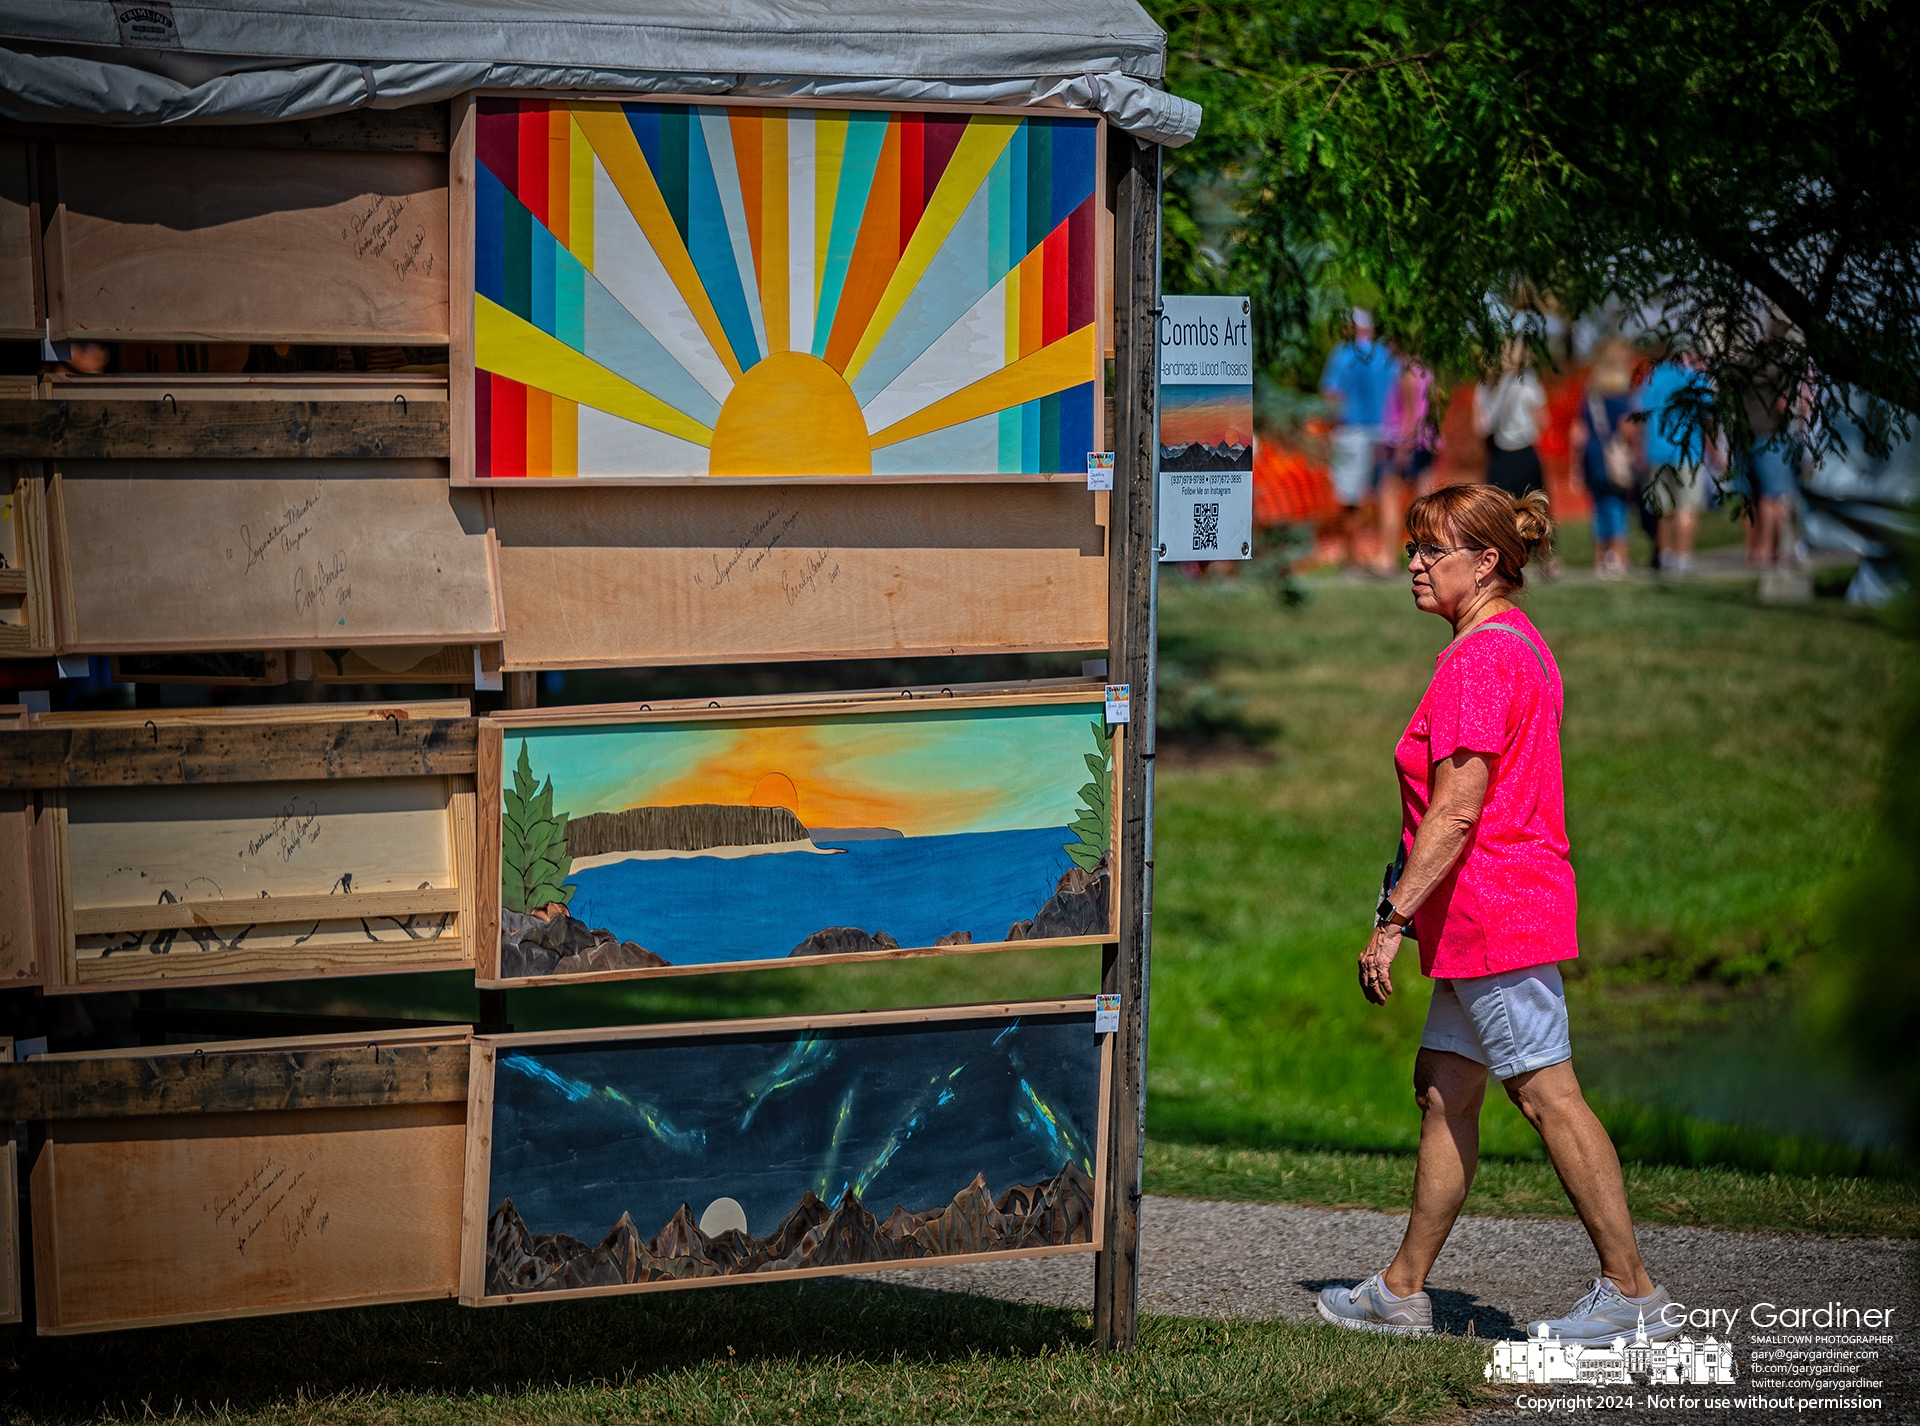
point(811, 1352)
point(1657, 1193)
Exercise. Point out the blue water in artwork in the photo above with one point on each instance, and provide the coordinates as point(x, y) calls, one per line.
point(702, 910)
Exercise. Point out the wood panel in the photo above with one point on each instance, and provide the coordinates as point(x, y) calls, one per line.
point(180, 752)
point(266, 668)
point(26, 587)
point(223, 430)
point(421, 128)
point(326, 386)
point(11, 1298)
point(237, 713)
point(694, 1111)
point(187, 1218)
point(217, 1079)
point(20, 306)
point(162, 556)
point(616, 577)
point(19, 942)
point(200, 244)
point(395, 663)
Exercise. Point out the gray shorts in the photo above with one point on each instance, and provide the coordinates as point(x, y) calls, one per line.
point(1512, 1022)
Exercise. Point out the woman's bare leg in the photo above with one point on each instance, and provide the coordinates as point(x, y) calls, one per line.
point(1449, 1089)
point(1589, 1168)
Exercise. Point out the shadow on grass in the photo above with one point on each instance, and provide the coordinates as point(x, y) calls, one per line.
point(443, 1348)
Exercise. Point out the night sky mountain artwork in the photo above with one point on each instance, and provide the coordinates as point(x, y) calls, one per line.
point(635, 846)
point(628, 1161)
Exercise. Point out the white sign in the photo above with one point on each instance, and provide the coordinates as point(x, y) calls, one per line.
point(1106, 1014)
point(1099, 470)
point(1119, 704)
point(1205, 493)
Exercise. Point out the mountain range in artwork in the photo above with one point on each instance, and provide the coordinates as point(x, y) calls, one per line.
point(736, 1153)
point(630, 847)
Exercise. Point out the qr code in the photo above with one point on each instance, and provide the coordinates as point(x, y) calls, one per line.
point(1206, 525)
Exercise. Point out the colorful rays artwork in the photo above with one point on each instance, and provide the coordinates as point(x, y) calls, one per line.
point(687, 290)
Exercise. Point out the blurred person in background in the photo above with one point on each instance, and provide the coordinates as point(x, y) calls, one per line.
point(1679, 459)
point(1607, 446)
point(1407, 469)
point(1506, 415)
point(1768, 475)
point(1358, 377)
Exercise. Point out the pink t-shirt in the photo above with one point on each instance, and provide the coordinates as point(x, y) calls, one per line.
point(1509, 900)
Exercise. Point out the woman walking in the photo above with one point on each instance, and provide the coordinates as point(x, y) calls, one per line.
point(1506, 415)
point(1488, 889)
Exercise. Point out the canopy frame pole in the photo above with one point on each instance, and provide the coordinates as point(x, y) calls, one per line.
point(1133, 565)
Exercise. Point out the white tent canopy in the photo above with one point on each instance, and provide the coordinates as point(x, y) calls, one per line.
point(250, 61)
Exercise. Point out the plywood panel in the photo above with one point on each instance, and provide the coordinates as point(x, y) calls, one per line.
point(165, 555)
point(648, 844)
point(762, 1150)
point(177, 1219)
point(10, 1297)
point(197, 244)
point(242, 880)
point(19, 963)
point(19, 275)
point(26, 603)
point(677, 576)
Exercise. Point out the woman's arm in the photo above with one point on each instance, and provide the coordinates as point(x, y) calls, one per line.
point(1459, 792)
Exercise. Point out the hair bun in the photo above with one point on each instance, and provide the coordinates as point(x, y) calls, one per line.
point(1533, 521)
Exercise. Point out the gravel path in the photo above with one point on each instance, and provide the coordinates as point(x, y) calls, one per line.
point(1267, 1260)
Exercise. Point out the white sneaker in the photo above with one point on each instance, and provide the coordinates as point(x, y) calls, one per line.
point(1371, 1308)
point(1606, 1312)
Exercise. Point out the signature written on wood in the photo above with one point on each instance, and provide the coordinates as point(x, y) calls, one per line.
point(264, 1194)
point(296, 826)
point(284, 534)
point(376, 232)
point(813, 569)
point(769, 530)
point(327, 582)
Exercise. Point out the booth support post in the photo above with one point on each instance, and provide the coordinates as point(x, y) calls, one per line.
point(1133, 562)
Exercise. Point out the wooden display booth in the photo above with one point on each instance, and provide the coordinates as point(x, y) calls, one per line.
point(505, 382)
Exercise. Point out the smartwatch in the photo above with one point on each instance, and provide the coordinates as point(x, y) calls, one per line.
point(1385, 915)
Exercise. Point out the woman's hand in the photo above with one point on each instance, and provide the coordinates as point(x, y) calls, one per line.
point(1376, 964)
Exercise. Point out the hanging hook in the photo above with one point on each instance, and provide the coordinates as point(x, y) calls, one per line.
point(167, 396)
point(153, 730)
point(403, 402)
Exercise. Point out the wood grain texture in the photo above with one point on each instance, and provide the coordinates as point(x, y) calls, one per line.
point(460, 275)
point(20, 311)
point(215, 1080)
point(170, 1219)
point(172, 754)
point(158, 556)
point(19, 963)
point(395, 663)
point(26, 584)
point(371, 388)
point(421, 128)
point(780, 1024)
point(11, 1301)
point(1131, 603)
point(222, 430)
point(475, 1200)
point(608, 578)
point(264, 910)
point(265, 668)
point(235, 714)
point(200, 244)
point(485, 881)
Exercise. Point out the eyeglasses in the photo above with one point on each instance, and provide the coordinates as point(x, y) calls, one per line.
point(1430, 553)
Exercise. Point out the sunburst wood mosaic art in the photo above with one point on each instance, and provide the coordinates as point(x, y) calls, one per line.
point(688, 290)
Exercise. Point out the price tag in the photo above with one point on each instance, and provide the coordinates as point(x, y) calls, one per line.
point(1099, 470)
point(1119, 703)
point(1106, 1014)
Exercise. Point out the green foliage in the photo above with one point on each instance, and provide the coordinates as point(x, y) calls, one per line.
point(1094, 824)
point(1745, 171)
point(533, 843)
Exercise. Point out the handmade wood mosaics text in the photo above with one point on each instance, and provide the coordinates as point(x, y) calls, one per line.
point(674, 290)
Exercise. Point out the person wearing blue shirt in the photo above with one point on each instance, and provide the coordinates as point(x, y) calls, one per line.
point(1678, 460)
point(1358, 376)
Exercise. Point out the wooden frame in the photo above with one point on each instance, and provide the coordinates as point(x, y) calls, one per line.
point(194, 1183)
point(184, 242)
point(258, 783)
point(177, 556)
point(610, 577)
point(22, 300)
point(492, 973)
point(262, 668)
point(463, 196)
point(26, 582)
point(477, 1198)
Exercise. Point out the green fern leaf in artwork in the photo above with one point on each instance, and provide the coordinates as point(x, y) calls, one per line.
point(1093, 823)
point(534, 864)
